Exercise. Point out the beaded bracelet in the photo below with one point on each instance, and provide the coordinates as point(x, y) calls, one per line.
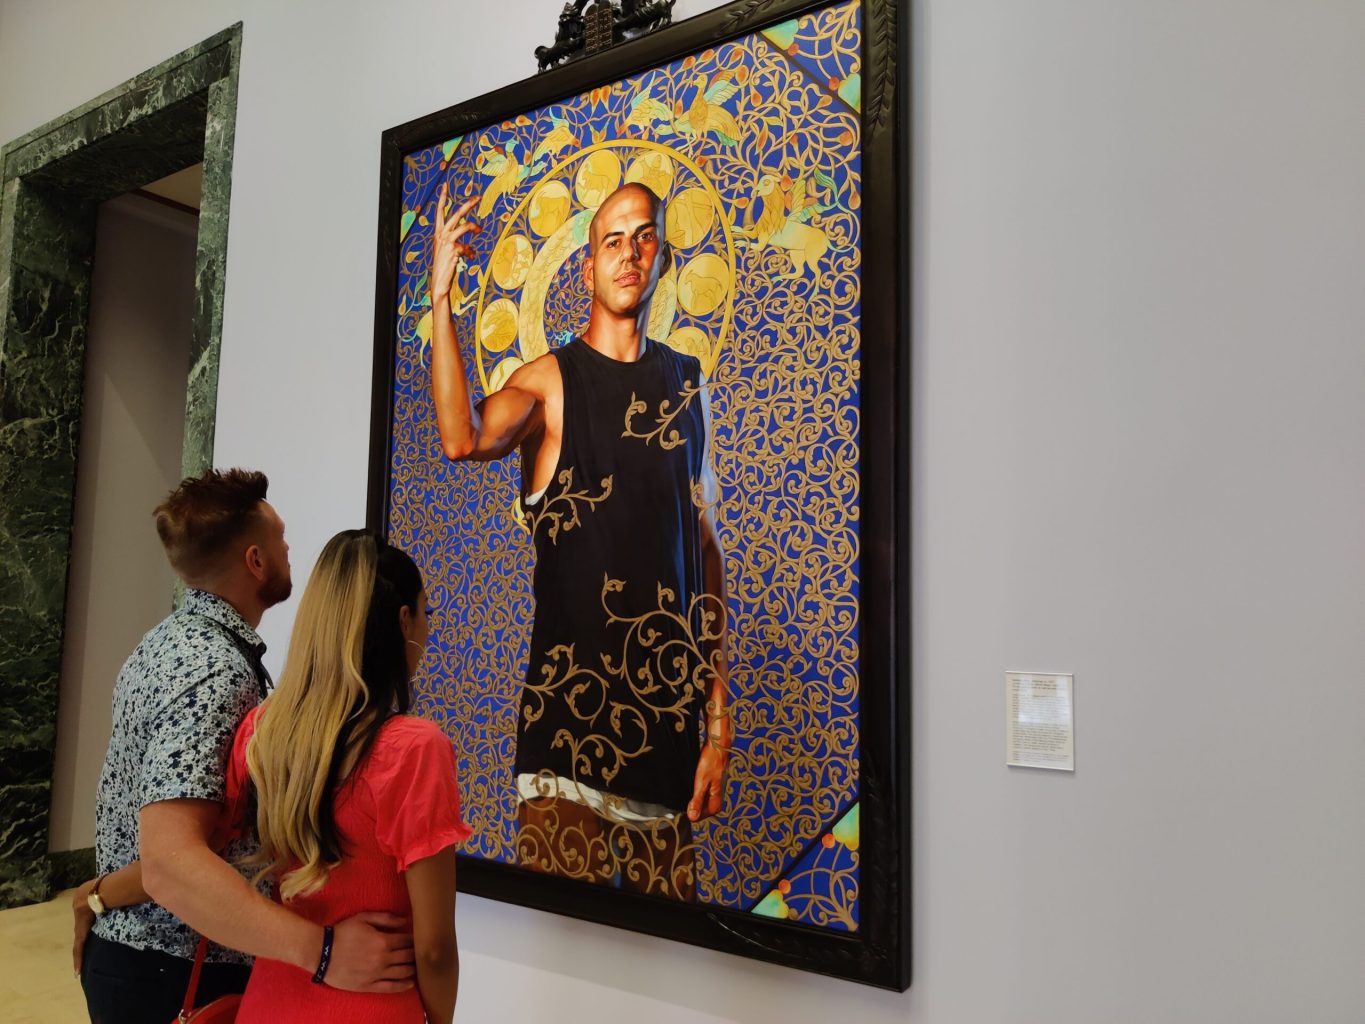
point(326, 957)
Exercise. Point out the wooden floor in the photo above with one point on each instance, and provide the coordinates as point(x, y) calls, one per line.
point(36, 983)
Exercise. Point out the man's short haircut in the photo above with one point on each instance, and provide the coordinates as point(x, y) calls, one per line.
point(202, 520)
point(636, 186)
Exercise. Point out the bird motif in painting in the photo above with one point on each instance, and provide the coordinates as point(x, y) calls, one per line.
point(646, 113)
point(559, 138)
point(502, 164)
point(706, 115)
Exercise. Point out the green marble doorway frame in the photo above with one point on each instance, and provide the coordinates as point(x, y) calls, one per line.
point(52, 180)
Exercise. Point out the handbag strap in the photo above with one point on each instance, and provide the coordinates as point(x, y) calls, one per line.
point(193, 989)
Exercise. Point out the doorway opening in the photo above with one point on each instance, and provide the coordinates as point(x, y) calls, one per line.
point(55, 186)
point(131, 441)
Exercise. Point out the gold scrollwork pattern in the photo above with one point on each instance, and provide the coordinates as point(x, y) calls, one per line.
point(561, 512)
point(556, 836)
point(664, 665)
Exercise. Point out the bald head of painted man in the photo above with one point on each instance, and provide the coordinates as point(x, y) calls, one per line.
point(627, 253)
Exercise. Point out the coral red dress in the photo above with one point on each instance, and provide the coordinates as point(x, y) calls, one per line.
point(400, 805)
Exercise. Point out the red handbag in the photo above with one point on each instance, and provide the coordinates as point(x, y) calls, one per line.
point(222, 1010)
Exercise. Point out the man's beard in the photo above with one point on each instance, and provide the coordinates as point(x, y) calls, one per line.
point(276, 588)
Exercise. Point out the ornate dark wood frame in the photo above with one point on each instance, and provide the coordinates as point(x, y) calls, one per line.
point(879, 953)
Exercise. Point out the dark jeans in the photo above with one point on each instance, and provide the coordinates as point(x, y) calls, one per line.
point(124, 985)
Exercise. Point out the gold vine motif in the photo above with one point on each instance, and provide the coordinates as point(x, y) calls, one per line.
point(667, 413)
point(561, 519)
point(663, 687)
point(657, 858)
point(692, 666)
point(664, 419)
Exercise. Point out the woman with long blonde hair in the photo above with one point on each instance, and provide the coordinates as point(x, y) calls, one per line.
point(356, 804)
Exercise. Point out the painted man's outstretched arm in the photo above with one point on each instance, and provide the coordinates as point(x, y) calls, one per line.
point(498, 425)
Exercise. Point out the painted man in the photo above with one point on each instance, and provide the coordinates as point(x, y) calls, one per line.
point(624, 732)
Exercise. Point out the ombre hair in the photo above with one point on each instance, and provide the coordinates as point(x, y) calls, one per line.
point(345, 675)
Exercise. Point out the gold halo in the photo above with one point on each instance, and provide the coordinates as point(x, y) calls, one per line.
point(498, 325)
point(703, 284)
point(549, 204)
point(511, 261)
point(549, 208)
point(596, 178)
point(688, 218)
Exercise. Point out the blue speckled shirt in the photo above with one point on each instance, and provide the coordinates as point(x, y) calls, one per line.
point(177, 704)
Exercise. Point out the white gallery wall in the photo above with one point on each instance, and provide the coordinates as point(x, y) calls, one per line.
point(1138, 456)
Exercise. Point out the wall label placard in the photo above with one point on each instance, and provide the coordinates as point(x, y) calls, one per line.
point(1039, 722)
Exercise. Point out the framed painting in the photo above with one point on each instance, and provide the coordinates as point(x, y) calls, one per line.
point(641, 416)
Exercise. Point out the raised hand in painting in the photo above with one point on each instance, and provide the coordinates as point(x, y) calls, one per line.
point(501, 420)
point(446, 247)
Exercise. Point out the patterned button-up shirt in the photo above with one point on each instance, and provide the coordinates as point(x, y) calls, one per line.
point(177, 704)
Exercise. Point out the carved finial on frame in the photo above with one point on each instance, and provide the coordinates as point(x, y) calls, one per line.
point(603, 25)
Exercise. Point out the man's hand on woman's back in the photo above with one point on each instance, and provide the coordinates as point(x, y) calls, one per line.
point(372, 952)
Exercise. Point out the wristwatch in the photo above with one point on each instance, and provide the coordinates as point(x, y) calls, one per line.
point(95, 900)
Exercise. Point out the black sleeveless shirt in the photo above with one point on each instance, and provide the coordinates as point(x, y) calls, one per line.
point(615, 682)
